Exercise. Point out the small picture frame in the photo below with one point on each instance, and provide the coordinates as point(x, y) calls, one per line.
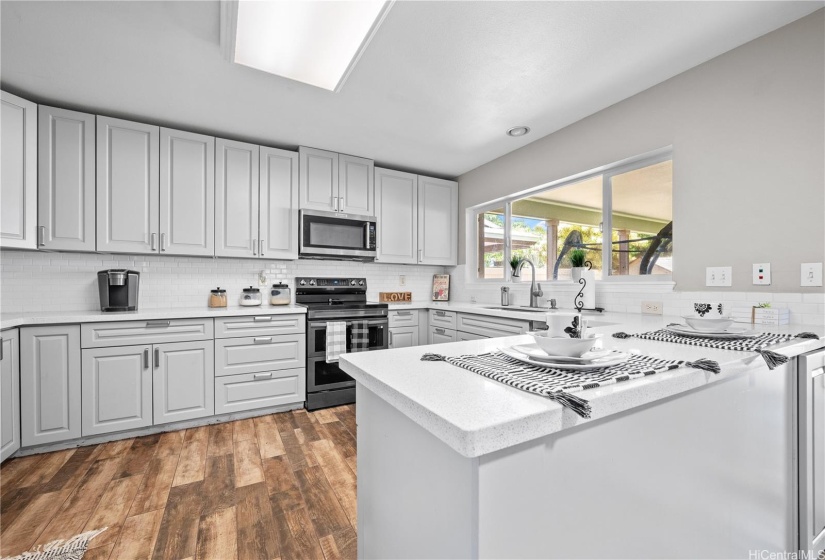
point(441, 287)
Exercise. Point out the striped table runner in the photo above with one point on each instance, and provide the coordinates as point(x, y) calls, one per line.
point(755, 344)
point(558, 384)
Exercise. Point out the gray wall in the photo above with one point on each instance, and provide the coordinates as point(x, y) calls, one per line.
point(748, 136)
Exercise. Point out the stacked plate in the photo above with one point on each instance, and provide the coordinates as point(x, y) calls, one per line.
point(732, 332)
point(595, 359)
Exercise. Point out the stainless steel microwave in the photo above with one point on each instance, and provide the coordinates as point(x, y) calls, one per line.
point(333, 235)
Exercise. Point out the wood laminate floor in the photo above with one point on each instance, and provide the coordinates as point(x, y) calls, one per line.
point(278, 486)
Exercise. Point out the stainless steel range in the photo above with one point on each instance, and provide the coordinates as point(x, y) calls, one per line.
point(328, 300)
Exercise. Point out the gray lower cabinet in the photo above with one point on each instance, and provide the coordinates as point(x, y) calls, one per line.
point(403, 337)
point(116, 389)
point(438, 335)
point(49, 384)
point(9, 394)
point(183, 387)
point(234, 393)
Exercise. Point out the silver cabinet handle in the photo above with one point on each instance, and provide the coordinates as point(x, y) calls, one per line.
point(262, 375)
point(145, 358)
point(441, 313)
point(335, 203)
point(266, 318)
point(162, 241)
point(157, 357)
point(440, 331)
point(254, 246)
point(157, 324)
point(420, 258)
point(1, 348)
point(262, 339)
point(390, 338)
point(403, 313)
point(41, 236)
point(340, 203)
point(153, 240)
point(261, 250)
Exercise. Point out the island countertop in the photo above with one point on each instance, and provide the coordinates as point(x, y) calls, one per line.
point(475, 415)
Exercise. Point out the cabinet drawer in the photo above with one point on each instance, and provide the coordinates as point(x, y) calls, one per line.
point(464, 336)
point(407, 318)
point(259, 325)
point(127, 333)
point(253, 354)
point(438, 335)
point(490, 327)
point(445, 319)
point(258, 390)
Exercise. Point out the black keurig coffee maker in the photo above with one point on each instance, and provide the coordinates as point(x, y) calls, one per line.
point(118, 289)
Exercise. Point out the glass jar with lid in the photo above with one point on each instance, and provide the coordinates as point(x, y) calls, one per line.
point(251, 297)
point(217, 297)
point(280, 294)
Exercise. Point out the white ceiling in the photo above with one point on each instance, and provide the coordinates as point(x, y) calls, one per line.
point(435, 91)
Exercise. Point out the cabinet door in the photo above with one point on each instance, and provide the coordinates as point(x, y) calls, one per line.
point(319, 179)
point(49, 384)
point(279, 204)
point(811, 406)
point(248, 391)
point(184, 381)
point(18, 172)
point(437, 221)
point(66, 180)
point(356, 190)
point(439, 335)
point(403, 337)
point(127, 186)
point(116, 389)
point(9, 394)
point(397, 214)
point(187, 193)
point(236, 199)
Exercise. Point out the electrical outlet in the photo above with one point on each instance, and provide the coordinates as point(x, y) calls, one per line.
point(652, 307)
point(262, 278)
point(402, 280)
point(811, 274)
point(762, 274)
point(718, 276)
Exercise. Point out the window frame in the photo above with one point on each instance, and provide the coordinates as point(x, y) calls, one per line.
point(607, 172)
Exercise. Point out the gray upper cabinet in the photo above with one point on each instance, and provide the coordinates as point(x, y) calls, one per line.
point(18, 172)
point(184, 381)
point(236, 199)
point(9, 394)
point(50, 385)
point(127, 186)
point(187, 193)
point(319, 179)
point(356, 190)
point(278, 221)
point(396, 211)
point(116, 389)
point(437, 221)
point(66, 180)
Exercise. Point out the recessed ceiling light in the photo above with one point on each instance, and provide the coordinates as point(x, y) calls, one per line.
point(518, 131)
point(315, 42)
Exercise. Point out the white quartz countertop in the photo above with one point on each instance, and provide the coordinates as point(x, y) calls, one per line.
point(475, 415)
point(9, 320)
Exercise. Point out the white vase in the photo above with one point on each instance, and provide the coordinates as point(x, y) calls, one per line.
point(576, 271)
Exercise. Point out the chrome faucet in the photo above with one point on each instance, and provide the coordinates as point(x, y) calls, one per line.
point(535, 289)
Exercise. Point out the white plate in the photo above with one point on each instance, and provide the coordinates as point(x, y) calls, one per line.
point(535, 352)
point(730, 332)
point(618, 358)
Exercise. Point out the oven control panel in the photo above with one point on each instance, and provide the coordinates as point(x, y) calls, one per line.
point(331, 282)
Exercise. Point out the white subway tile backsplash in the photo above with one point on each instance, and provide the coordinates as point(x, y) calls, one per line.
point(35, 281)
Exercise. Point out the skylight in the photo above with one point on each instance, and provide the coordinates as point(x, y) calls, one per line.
point(317, 42)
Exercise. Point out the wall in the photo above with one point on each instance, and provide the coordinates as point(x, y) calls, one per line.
point(33, 281)
point(748, 136)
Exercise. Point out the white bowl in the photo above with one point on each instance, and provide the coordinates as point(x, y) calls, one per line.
point(708, 324)
point(565, 346)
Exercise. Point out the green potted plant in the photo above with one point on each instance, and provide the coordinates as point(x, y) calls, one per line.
point(577, 258)
point(514, 260)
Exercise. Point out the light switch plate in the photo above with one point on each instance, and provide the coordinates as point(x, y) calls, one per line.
point(718, 275)
point(811, 274)
point(762, 274)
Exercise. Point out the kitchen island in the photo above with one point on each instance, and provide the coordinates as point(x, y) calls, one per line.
point(681, 464)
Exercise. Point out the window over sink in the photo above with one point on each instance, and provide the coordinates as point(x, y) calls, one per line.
point(631, 200)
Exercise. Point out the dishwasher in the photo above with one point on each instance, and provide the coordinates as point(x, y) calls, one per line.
point(811, 445)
